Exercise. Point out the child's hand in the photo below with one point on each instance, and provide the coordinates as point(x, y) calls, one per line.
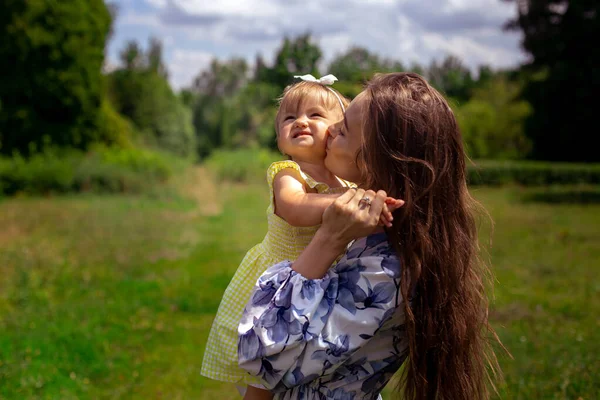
point(390, 206)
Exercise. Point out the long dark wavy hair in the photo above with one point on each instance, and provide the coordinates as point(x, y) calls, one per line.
point(413, 149)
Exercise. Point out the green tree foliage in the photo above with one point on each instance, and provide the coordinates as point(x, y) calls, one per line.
point(214, 114)
point(565, 75)
point(222, 79)
point(141, 92)
point(256, 121)
point(354, 67)
point(296, 56)
point(492, 120)
point(358, 65)
point(52, 87)
point(155, 58)
point(451, 77)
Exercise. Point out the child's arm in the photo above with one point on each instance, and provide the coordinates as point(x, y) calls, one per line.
point(294, 204)
point(301, 208)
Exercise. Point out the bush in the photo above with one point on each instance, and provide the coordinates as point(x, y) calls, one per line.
point(492, 122)
point(41, 173)
point(123, 170)
point(101, 170)
point(113, 128)
point(243, 165)
point(250, 165)
point(532, 173)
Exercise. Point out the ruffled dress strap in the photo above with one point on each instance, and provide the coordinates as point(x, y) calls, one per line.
point(320, 187)
point(278, 166)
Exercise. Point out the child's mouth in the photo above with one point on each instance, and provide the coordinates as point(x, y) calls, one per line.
point(303, 133)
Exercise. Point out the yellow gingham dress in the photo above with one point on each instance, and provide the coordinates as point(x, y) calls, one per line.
point(282, 242)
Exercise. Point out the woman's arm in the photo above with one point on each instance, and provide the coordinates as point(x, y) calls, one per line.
point(300, 208)
point(306, 319)
point(344, 221)
point(295, 329)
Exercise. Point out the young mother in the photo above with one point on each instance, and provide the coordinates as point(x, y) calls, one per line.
point(411, 294)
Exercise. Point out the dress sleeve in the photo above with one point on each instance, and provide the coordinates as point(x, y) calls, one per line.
point(294, 329)
point(279, 166)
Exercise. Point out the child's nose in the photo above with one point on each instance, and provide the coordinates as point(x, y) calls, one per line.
point(301, 123)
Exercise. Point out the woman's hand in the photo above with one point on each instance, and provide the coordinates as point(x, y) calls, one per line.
point(351, 216)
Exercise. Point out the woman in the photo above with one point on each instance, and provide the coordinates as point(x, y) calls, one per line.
point(413, 292)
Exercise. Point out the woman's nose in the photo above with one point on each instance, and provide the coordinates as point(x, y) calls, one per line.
point(332, 132)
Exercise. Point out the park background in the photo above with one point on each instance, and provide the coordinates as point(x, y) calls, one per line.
point(127, 202)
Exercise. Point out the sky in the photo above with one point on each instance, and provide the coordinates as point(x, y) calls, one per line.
point(193, 32)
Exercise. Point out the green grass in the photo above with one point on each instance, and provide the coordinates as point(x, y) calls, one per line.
point(112, 297)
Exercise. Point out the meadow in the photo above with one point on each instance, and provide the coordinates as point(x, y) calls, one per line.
point(112, 296)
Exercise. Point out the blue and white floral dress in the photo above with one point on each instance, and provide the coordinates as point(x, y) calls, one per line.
point(338, 337)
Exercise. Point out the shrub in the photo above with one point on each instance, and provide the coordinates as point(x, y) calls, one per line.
point(100, 170)
point(250, 165)
point(532, 173)
point(243, 165)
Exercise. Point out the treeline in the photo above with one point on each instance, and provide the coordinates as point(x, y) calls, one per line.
point(57, 104)
point(233, 103)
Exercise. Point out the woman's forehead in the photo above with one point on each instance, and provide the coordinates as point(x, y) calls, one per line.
point(356, 107)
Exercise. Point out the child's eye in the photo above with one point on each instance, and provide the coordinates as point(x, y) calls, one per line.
point(318, 115)
point(288, 117)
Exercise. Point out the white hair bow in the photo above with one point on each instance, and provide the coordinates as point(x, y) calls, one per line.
point(325, 80)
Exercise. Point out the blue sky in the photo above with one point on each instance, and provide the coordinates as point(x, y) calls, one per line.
point(194, 32)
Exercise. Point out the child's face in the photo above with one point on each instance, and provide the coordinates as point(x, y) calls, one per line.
point(303, 130)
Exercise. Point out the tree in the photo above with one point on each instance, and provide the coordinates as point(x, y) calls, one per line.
point(261, 70)
point(52, 87)
point(140, 91)
point(358, 65)
point(155, 58)
point(296, 56)
point(451, 77)
point(564, 75)
point(214, 116)
point(222, 79)
point(492, 121)
point(132, 56)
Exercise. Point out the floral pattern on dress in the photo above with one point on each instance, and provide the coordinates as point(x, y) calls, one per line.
point(338, 337)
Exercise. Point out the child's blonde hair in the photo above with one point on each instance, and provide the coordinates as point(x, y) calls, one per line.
point(294, 95)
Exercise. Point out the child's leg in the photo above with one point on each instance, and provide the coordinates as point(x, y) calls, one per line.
point(254, 393)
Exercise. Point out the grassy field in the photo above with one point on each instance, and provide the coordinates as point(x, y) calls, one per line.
point(112, 297)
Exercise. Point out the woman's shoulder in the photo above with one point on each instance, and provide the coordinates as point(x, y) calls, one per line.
point(376, 244)
point(372, 251)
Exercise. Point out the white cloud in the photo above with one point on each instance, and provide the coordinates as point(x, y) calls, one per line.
point(133, 19)
point(406, 30)
point(157, 3)
point(470, 51)
point(229, 7)
point(185, 65)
